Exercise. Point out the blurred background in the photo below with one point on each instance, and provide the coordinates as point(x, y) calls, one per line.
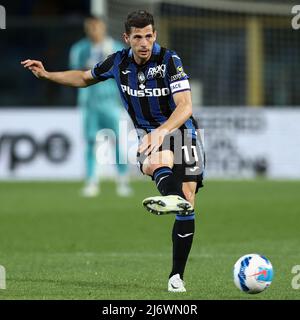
point(242, 58)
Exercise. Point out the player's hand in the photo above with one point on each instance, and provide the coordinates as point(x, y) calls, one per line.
point(152, 141)
point(36, 67)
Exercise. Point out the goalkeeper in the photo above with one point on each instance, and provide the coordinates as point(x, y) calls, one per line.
point(100, 105)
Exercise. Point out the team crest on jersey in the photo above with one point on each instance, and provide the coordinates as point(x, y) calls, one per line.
point(141, 77)
point(157, 72)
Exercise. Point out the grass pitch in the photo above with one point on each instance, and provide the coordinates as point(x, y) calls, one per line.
point(56, 245)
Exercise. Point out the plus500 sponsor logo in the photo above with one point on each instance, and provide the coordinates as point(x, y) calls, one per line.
point(149, 92)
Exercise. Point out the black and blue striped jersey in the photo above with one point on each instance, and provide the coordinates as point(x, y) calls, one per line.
point(147, 90)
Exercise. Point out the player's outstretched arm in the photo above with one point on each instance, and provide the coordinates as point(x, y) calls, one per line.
point(72, 78)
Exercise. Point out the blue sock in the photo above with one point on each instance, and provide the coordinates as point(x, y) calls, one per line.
point(166, 182)
point(182, 238)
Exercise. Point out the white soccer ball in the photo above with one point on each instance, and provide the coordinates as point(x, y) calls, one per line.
point(253, 273)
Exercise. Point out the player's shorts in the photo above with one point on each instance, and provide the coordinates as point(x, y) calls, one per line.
point(189, 157)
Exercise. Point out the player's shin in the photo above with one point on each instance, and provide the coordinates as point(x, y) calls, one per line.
point(166, 182)
point(172, 200)
point(182, 237)
point(90, 161)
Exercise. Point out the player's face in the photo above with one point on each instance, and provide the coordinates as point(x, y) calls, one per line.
point(141, 41)
point(95, 29)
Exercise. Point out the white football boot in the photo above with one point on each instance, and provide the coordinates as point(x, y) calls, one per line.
point(123, 187)
point(168, 204)
point(90, 190)
point(124, 191)
point(175, 284)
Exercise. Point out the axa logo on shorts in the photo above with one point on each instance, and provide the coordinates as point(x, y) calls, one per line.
point(157, 72)
point(148, 92)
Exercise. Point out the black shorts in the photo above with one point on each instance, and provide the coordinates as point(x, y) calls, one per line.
point(189, 157)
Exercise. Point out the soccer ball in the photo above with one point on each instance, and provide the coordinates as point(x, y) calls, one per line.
point(253, 273)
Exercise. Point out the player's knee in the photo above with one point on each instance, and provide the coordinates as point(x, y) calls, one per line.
point(148, 168)
point(157, 160)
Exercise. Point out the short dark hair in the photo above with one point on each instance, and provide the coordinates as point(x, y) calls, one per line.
point(91, 16)
point(139, 19)
point(94, 17)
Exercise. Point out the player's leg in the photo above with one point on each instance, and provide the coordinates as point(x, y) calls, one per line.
point(190, 172)
point(159, 166)
point(91, 188)
point(182, 238)
point(184, 180)
point(109, 118)
point(123, 180)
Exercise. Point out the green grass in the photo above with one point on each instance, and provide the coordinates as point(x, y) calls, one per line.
point(57, 245)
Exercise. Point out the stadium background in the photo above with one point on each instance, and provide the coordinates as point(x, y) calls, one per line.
point(243, 61)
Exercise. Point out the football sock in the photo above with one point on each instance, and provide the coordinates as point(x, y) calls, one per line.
point(167, 183)
point(184, 226)
point(182, 237)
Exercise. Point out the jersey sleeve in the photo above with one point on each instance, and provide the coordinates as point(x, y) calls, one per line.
point(177, 77)
point(104, 70)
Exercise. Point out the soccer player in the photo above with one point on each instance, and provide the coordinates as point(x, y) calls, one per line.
point(156, 93)
point(100, 105)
